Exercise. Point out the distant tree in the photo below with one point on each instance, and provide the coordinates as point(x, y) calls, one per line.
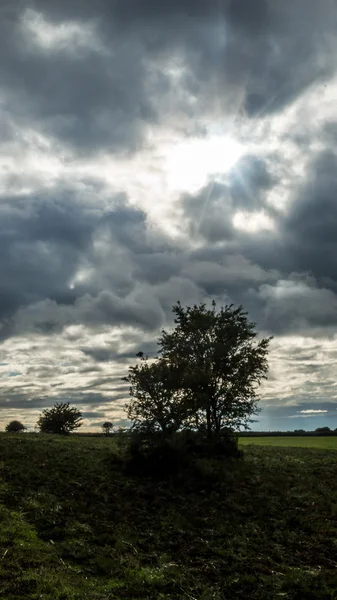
point(61, 419)
point(107, 427)
point(206, 377)
point(15, 426)
point(323, 430)
point(299, 431)
point(122, 430)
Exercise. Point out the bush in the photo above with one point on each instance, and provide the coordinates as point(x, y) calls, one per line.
point(223, 445)
point(15, 427)
point(60, 419)
point(157, 456)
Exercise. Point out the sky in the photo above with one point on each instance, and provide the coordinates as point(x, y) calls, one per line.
point(160, 151)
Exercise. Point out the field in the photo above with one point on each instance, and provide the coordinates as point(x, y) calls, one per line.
point(320, 442)
point(75, 526)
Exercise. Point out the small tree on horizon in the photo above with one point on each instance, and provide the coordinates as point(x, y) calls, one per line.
point(15, 427)
point(60, 419)
point(107, 427)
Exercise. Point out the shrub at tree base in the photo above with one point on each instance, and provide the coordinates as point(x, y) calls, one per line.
point(160, 457)
point(225, 445)
point(159, 460)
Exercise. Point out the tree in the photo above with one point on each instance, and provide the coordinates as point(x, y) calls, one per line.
point(323, 430)
point(60, 419)
point(107, 427)
point(156, 397)
point(220, 365)
point(206, 377)
point(15, 427)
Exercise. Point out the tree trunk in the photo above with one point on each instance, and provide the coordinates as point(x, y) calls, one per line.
point(216, 419)
point(209, 422)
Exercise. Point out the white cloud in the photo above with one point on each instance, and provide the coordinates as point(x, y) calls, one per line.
point(253, 221)
point(67, 36)
point(312, 411)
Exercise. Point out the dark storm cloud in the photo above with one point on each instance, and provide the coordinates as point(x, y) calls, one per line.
point(105, 354)
point(100, 94)
point(231, 276)
point(247, 15)
point(305, 236)
point(311, 223)
point(289, 306)
point(89, 99)
point(210, 212)
point(42, 239)
point(27, 401)
point(99, 354)
point(249, 181)
point(46, 238)
point(158, 267)
point(91, 414)
point(286, 278)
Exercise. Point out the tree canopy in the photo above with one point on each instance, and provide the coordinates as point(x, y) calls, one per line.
point(207, 375)
point(60, 419)
point(156, 396)
point(15, 427)
point(107, 427)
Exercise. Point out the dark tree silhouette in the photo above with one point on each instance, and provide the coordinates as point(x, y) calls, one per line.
point(206, 377)
point(61, 419)
point(15, 427)
point(107, 427)
point(221, 364)
point(156, 397)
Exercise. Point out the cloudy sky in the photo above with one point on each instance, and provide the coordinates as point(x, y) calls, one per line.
point(156, 151)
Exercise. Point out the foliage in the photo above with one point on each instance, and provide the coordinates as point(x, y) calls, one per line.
point(220, 363)
point(61, 419)
point(206, 377)
point(74, 525)
point(161, 456)
point(15, 427)
point(156, 397)
point(107, 427)
point(154, 455)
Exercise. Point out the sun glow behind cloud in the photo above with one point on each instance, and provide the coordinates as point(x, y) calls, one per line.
point(252, 221)
point(189, 163)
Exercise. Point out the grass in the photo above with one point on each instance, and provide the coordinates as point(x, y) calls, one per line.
point(74, 526)
point(320, 442)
